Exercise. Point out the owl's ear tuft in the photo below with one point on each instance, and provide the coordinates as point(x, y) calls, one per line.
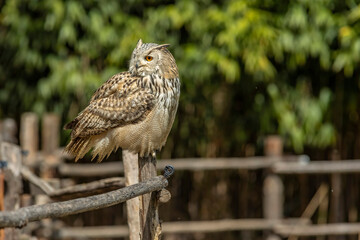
point(163, 46)
point(139, 43)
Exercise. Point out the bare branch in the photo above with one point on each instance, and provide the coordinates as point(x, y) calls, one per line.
point(22, 216)
point(88, 189)
point(31, 177)
point(80, 190)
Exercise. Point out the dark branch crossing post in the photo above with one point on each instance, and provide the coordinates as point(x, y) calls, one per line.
point(150, 226)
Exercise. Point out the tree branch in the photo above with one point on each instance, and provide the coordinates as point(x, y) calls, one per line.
point(40, 183)
point(22, 216)
point(76, 191)
point(88, 189)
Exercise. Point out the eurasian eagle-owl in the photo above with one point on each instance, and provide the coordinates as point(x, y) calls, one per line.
point(133, 110)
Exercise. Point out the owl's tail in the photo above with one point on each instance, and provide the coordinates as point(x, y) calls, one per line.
point(78, 147)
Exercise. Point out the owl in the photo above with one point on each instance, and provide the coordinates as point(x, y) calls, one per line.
point(133, 110)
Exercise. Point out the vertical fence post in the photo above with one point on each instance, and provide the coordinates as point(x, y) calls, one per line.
point(131, 171)
point(50, 137)
point(29, 136)
point(273, 187)
point(150, 227)
point(8, 130)
point(50, 133)
point(50, 143)
point(2, 207)
point(336, 207)
point(12, 155)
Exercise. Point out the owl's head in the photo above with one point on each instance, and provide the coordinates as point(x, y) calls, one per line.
point(152, 58)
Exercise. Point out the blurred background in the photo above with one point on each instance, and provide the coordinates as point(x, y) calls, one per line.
point(248, 69)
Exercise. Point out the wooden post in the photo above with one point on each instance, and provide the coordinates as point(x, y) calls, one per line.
point(131, 171)
point(336, 207)
point(29, 138)
point(2, 208)
point(150, 227)
point(50, 133)
point(50, 137)
point(12, 155)
point(273, 187)
point(8, 130)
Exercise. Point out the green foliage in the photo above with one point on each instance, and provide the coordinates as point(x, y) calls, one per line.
point(248, 68)
point(301, 116)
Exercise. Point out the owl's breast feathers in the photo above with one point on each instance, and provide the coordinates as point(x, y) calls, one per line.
point(124, 105)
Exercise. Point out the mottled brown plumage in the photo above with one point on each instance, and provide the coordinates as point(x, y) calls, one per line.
point(132, 110)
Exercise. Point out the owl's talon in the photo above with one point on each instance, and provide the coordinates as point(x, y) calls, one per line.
point(168, 171)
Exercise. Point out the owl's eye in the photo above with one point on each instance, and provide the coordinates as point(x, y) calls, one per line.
point(149, 58)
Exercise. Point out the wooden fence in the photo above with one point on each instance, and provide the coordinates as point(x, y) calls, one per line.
point(50, 166)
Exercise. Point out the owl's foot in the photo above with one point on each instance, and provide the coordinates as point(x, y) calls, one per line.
point(153, 154)
point(168, 171)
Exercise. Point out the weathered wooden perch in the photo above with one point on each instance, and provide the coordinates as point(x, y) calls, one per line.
point(76, 191)
point(143, 216)
point(22, 216)
point(130, 161)
point(150, 227)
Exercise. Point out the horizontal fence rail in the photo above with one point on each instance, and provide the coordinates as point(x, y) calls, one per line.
point(282, 165)
point(302, 229)
point(192, 164)
point(317, 167)
point(178, 227)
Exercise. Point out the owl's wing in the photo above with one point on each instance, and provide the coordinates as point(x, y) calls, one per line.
point(112, 107)
point(117, 83)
